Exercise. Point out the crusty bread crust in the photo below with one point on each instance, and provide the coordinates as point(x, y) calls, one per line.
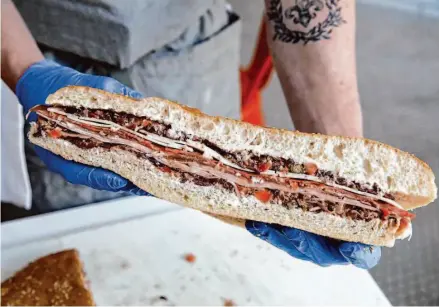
point(215, 199)
point(228, 220)
point(53, 280)
point(401, 174)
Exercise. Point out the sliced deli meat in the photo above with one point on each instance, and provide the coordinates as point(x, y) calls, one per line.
point(269, 180)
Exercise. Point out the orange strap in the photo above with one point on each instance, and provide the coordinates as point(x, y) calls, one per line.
point(254, 78)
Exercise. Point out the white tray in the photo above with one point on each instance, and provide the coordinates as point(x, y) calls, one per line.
point(133, 253)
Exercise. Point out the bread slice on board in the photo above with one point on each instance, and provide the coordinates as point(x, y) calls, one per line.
point(54, 280)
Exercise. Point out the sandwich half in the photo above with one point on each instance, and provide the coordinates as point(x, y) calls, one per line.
point(351, 189)
point(54, 280)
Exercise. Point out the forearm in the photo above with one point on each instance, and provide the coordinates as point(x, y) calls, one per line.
point(317, 69)
point(19, 49)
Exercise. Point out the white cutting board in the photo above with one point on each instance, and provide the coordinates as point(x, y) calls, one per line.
point(136, 261)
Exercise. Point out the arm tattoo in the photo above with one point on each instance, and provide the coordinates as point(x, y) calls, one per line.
point(312, 20)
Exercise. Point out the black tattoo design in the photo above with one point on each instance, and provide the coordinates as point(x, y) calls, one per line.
point(302, 14)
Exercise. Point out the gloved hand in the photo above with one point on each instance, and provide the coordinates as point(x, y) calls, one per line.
point(46, 77)
point(311, 247)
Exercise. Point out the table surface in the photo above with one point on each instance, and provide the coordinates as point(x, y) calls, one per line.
point(133, 252)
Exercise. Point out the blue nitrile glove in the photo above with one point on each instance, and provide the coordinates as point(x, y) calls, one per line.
point(46, 77)
point(317, 249)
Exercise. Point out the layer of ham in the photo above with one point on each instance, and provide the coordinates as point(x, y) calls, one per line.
point(196, 158)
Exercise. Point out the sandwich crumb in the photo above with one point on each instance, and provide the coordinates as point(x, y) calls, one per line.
point(125, 265)
point(161, 300)
point(228, 302)
point(189, 257)
point(233, 253)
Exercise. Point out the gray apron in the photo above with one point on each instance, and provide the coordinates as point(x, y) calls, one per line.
point(182, 50)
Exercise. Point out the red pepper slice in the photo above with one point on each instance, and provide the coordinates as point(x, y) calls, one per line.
point(387, 209)
point(385, 212)
point(263, 195)
point(166, 169)
point(407, 214)
point(55, 133)
point(264, 166)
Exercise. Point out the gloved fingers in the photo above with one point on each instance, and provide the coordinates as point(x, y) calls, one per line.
point(272, 236)
point(298, 243)
point(361, 255)
point(31, 117)
point(30, 89)
point(101, 179)
point(114, 86)
point(77, 173)
point(46, 77)
point(133, 189)
point(318, 249)
point(96, 178)
point(132, 93)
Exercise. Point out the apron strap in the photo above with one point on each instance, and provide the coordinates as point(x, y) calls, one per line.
point(254, 78)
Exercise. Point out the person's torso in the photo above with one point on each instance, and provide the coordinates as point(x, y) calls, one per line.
point(111, 31)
